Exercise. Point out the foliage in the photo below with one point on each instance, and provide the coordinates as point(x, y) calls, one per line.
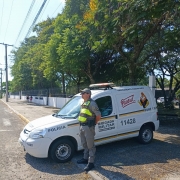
point(27, 60)
point(163, 60)
point(99, 41)
point(178, 94)
point(127, 26)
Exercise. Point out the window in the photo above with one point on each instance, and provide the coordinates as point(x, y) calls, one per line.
point(72, 108)
point(105, 105)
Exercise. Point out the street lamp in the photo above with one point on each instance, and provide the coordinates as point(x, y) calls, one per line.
point(6, 69)
point(1, 82)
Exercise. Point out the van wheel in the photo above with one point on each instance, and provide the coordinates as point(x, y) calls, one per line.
point(62, 150)
point(145, 134)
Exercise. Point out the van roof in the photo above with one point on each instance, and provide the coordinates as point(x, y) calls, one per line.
point(115, 89)
point(118, 88)
point(127, 88)
point(108, 86)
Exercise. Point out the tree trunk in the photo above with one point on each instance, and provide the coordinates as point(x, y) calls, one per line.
point(132, 74)
point(63, 83)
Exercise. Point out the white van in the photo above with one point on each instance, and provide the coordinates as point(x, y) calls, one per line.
point(128, 111)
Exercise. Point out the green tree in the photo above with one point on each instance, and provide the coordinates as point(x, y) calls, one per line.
point(127, 26)
point(21, 70)
point(94, 41)
point(27, 69)
point(163, 58)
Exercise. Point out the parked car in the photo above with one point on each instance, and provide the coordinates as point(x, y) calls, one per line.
point(175, 101)
point(160, 100)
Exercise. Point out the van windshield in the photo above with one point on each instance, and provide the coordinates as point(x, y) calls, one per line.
point(71, 109)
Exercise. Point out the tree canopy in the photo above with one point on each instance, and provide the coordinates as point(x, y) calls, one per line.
point(99, 41)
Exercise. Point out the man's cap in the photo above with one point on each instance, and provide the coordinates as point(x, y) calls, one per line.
point(86, 90)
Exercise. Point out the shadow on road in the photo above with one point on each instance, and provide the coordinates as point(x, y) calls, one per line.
point(48, 166)
point(113, 158)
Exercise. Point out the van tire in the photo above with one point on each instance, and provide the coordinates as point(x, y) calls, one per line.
point(145, 134)
point(62, 150)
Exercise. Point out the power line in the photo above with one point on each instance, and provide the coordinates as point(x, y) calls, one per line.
point(57, 8)
point(44, 9)
point(8, 20)
point(1, 16)
point(35, 19)
point(29, 11)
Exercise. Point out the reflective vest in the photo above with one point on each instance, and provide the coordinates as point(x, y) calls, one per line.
point(85, 112)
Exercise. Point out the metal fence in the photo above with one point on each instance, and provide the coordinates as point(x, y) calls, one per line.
point(51, 92)
point(58, 92)
point(40, 92)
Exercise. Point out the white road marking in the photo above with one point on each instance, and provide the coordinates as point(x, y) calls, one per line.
point(6, 122)
point(5, 130)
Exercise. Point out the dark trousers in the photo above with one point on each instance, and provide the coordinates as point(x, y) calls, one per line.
point(87, 140)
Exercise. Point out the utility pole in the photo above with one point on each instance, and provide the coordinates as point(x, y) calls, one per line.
point(1, 83)
point(6, 69)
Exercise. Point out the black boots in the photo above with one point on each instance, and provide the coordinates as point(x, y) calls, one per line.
point(85, 161)
point(89, 166)
point(82, 161)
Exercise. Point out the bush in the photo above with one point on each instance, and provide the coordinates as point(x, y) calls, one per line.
point(169, 105)
point(160, 105)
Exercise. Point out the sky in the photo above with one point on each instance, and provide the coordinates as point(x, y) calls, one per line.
point(16, 19)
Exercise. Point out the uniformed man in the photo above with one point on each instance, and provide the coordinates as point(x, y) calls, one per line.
point(88, 118)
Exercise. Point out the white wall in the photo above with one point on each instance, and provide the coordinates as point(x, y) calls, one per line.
point(57, 101)
point(52, 101)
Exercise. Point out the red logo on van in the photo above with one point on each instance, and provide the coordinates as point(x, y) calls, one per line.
point(127, 101)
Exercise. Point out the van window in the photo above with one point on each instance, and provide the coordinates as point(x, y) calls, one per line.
point(72, 108)
point(105, 105)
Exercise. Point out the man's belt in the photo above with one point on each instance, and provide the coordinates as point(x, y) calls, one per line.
point(84, 124)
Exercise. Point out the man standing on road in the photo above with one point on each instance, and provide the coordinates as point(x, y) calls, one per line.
point(88, 118)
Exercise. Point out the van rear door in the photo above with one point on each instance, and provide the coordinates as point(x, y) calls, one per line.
point(135, 108)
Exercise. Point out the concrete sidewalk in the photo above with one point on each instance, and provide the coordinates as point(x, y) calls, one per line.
point(29, 111)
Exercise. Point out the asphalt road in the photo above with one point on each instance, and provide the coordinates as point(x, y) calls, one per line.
point(122, 160)
point(15, 164)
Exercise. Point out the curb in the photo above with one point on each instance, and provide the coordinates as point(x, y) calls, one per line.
point(91, 173)
point(17, 113)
